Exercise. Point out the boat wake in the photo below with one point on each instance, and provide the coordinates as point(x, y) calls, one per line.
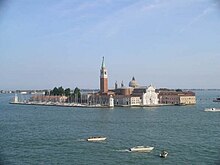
point(81, 140)
point(125, 150)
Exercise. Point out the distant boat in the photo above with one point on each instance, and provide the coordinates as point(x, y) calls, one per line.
point(96, 138)
point(141, 149)
point(212, 110)
point(217, 99)
point(163, 154)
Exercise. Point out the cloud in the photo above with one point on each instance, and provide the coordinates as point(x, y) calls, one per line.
point(79, 15)
point(115, 22)
point(84, 16)
point(153, 5)
point(91, 5)
point(66, 32)
point(205, 12)
point(69, 8)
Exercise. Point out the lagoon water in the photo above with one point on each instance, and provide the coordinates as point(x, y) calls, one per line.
point(55, 135)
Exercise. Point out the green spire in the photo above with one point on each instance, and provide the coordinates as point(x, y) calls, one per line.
point(103, 62)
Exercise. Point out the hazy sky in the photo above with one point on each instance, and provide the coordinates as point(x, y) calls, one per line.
point(167, 43)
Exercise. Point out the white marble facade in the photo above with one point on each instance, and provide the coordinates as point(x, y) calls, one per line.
point(150, 97)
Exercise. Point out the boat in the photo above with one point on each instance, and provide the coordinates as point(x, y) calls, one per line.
point(141, 149)
point(96, 138)
point(212, 109)
point(163, 154)
point(217, 99)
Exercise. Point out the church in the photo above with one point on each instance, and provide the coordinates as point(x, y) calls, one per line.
point(133, 95)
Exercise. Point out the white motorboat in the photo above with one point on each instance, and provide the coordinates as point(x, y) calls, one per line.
point(163, 154)
point(96, 138)
point(212, 110)
point(141, 149)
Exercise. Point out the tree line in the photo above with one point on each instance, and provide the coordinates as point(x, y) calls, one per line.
point(60, 91)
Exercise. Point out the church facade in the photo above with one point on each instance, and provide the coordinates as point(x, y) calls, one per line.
point(150, 97)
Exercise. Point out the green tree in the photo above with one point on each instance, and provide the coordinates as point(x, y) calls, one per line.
point(77, 94)
point(54, 92)
point(67, 92)
point(61, 91)
point(178, 90)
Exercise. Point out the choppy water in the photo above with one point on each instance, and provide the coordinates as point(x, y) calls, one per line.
point(55, 135)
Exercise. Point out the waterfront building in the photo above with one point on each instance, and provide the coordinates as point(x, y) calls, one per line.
point(187, 98)
point(135, 95)
point(176, 97)
point(150, 97)
point(124, 91)
point(43, 98)
point(97, 99)
point(127, 100)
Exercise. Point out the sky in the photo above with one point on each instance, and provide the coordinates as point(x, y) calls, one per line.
point(166, 43)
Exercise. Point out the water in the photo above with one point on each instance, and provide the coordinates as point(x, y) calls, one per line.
point(55, 135)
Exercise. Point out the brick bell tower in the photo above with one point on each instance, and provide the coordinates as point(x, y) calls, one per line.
point(103, 78)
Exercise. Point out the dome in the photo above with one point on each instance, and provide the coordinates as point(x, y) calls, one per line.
point(133, 83)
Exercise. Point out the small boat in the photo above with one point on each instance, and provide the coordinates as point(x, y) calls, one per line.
point(141, 149)
point(96, 138)
point(212, 110)
point(163, 154)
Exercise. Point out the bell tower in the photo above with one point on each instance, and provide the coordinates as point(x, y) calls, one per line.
point(103, 78)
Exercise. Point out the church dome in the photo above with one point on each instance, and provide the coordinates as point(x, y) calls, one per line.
point(133, 83)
